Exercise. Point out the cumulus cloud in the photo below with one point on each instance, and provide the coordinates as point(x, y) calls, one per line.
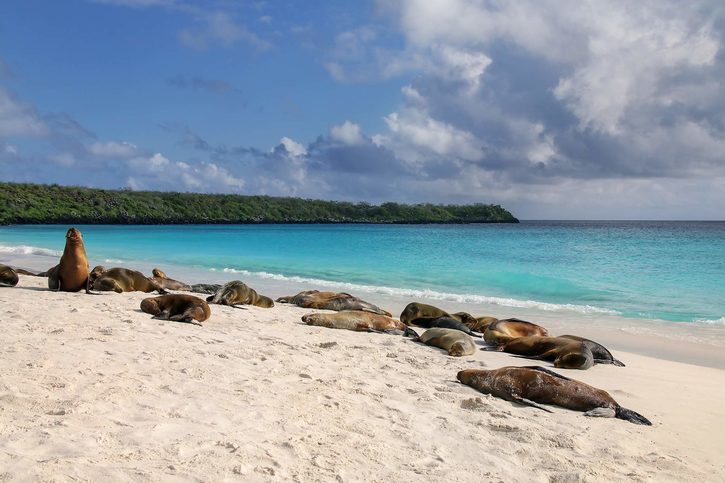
point(18, 118)
point(347, 133)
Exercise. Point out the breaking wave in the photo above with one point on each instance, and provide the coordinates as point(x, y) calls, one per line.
point(428, 293)
point(28, 250)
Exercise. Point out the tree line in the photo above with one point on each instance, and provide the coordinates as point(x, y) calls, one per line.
point(22, 203)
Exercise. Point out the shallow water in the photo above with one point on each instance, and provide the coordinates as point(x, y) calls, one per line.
point(672, 271)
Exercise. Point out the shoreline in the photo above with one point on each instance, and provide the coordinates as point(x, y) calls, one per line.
point(692, 343)
point(92, 389)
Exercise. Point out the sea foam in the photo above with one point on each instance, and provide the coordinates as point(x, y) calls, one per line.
point(28, 250)
point(428, 293)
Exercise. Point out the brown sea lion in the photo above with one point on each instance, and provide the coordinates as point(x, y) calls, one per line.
point(22, 271)
point(479, 324)
point(421, 315)
point(238, 293)
point(71, 274)
point(8, 276)
point(314, 299)
point(168, 283)
point(454, 341)
point(564, 353)
point(177, 307)
point(121, 280)
point(601, 354)
point(535, 385)
point(359, 321)
point(504, 330)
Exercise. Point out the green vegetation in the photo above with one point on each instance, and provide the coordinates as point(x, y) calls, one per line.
point(49, 204)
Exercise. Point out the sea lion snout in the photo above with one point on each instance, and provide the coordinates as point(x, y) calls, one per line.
point(73, 234)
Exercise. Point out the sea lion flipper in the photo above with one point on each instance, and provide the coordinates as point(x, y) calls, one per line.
point(528, 402)
point(631, 416)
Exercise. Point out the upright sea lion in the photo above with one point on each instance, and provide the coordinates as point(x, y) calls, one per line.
point(177, 307)
point(71, 274)
point(564, 353)
point(238, 293)
point(8, 276)
point(533, 385)
point(168, 283)
point(600, 353)
point(502, 331)
point(314, 299)
point(454, 341)
point(358, 320)
point(121, 280)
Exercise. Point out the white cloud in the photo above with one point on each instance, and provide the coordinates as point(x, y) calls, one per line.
point(112, 149)
point(220, 28)
point(293, 147)
point(18, 118)
point(347, 133)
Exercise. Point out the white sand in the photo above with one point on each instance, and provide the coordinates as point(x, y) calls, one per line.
point(93, 389)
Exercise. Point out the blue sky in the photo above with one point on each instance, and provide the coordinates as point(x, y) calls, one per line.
point(554, 109)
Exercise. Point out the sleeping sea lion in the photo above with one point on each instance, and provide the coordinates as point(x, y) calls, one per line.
point(564, 353)
point(448, 323)
point(600, 353)
point(22, 271)
point(71, 274)
point(121, 280)
point(177, 307)
point(454, 341)
point(359, 321)
point(238, 293)
point(168, 283)
point(502, 331)
point(479, 324)
point(535, 385)
point(8, 276)
point(314, 299)
point(420, 315)
point(210, 288)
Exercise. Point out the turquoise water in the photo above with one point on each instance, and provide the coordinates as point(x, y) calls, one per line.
point(663, 270)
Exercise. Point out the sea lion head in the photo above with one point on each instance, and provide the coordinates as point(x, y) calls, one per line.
point(467, 375)
point(156, 272)
point(96, 273)
point(74, 235)
point(457, 350)
point(309, 319)
point(150, 306)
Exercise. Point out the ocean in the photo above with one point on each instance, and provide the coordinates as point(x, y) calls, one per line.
point(670, 271)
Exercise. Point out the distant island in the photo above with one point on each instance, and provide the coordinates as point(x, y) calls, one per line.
point(52, 204)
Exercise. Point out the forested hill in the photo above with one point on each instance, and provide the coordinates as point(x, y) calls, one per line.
point(33, 203)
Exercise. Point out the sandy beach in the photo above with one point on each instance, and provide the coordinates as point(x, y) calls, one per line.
point(94, 389)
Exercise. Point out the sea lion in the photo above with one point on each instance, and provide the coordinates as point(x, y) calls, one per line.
point(168, 283)
point(448, 323)
point(210, 288)
point(121, 280)
point(359, 321)
point(238, 293)
point(177, 307)
point(454, 341)
point(71, 274)
point(479, 324)
point(8, 276)
point(533, 385)
point(420, 315)
point(564, 353)
point(600, 353)
point(22, 271)
point(504, 330)
point(314, 299)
